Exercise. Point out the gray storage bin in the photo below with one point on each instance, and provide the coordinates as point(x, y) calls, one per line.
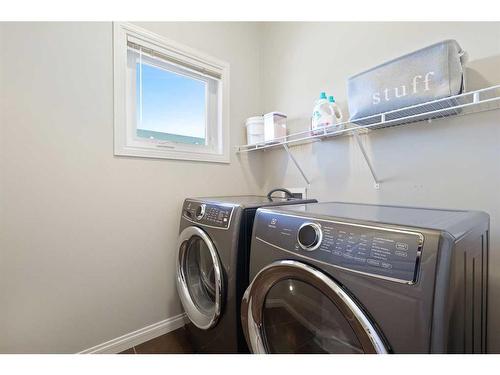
point(431, 73)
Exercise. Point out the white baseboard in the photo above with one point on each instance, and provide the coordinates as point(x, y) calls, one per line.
point(144, 334)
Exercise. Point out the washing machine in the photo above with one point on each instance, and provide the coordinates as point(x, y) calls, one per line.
point(212, 266)
point(358, 278)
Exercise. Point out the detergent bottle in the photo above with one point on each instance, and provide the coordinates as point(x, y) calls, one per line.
point(336, 114)
point(322, 115)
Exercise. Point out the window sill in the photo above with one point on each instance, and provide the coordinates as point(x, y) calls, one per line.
point(171, 154)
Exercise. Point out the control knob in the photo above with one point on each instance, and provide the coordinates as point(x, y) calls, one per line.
point(200, 211)
point(309, 236)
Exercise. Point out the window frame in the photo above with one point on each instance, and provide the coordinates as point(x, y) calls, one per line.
point(126, 142)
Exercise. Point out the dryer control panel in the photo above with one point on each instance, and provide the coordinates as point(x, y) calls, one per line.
point(209, 214)
point(369, 249)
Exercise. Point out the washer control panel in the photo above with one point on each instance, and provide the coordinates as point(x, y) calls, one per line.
point(378, 251)
point(208, 214)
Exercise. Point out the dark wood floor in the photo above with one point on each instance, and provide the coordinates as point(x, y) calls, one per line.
point(175, 342)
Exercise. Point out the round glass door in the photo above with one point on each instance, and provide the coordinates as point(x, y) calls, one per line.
point(298, 318)
point(199, 278)
point(291, 307)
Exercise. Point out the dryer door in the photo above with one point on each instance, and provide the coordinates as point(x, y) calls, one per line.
point(199, 277)
point(291, 307)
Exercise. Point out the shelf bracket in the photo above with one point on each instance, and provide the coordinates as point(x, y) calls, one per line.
point(292, 158)
point(376, 182)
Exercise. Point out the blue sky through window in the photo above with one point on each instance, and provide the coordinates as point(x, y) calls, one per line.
point(173, 106)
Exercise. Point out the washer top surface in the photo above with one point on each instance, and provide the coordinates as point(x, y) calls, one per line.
point(251, 201)
point(455, 222)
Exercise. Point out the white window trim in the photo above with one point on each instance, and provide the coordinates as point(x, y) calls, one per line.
point(123, 144)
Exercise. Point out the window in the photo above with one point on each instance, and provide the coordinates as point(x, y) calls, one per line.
point(170, 101)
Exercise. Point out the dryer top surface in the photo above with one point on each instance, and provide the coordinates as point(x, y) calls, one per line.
point(455, 222)
point(252, 201)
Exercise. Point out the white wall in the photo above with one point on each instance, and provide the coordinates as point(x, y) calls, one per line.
point(451, 163)
point(88, 239)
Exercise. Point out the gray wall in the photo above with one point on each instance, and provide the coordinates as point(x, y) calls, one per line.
point(87, 239)
point(450, 163)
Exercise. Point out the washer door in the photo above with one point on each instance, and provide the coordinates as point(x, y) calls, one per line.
point(291, 307)
point(199, 278)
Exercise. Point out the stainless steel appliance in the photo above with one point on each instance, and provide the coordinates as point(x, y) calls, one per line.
point(212, 267)
point(358, 278)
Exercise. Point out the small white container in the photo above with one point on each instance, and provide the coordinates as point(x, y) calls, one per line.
point(274, 127)
point(255, 130)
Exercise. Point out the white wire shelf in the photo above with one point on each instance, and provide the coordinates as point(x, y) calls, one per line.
point(471, 102)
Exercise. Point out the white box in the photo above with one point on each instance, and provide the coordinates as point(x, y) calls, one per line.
point(274, 127)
